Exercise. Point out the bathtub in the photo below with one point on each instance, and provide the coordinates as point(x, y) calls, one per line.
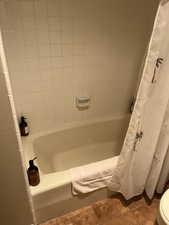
point(72, 146)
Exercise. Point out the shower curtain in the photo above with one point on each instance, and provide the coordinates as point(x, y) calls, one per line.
point(144, 161)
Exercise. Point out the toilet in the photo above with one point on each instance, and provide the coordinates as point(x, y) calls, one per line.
point(163, 213)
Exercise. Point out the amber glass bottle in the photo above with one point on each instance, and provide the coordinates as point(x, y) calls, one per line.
point(24, 129)
point(33, 173)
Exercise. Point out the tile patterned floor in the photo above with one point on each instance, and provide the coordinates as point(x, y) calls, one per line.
point(114, 211)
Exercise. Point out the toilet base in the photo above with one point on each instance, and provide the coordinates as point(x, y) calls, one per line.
point(160, 220)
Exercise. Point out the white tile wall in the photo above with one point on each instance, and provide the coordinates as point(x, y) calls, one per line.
point(59, 49)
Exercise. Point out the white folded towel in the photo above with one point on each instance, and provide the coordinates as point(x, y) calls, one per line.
point(93, 176)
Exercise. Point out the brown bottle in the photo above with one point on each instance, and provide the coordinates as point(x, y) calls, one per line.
point(24, 129)
point(33, 173)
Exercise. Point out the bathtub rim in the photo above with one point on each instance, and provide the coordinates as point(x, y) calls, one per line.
point(67, 126)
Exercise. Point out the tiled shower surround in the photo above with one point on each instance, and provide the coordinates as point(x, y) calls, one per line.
point(59, 49)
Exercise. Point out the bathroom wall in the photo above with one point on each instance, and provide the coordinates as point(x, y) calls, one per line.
point(59, 49)
point(14, 200)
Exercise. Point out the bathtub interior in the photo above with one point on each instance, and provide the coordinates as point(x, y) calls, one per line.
point(81, 145)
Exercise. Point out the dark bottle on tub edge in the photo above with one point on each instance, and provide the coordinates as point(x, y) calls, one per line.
point(23, 125)
point(33, 173)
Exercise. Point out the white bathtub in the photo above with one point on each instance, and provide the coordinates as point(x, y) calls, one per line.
point(58, 151)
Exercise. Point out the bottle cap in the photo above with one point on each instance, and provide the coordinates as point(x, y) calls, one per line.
point(31, 161)
point(23, 118)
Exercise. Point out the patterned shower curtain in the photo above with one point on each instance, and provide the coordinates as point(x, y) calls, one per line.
point(143, 161)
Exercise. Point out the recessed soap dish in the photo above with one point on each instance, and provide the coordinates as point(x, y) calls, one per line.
point(83, 102)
